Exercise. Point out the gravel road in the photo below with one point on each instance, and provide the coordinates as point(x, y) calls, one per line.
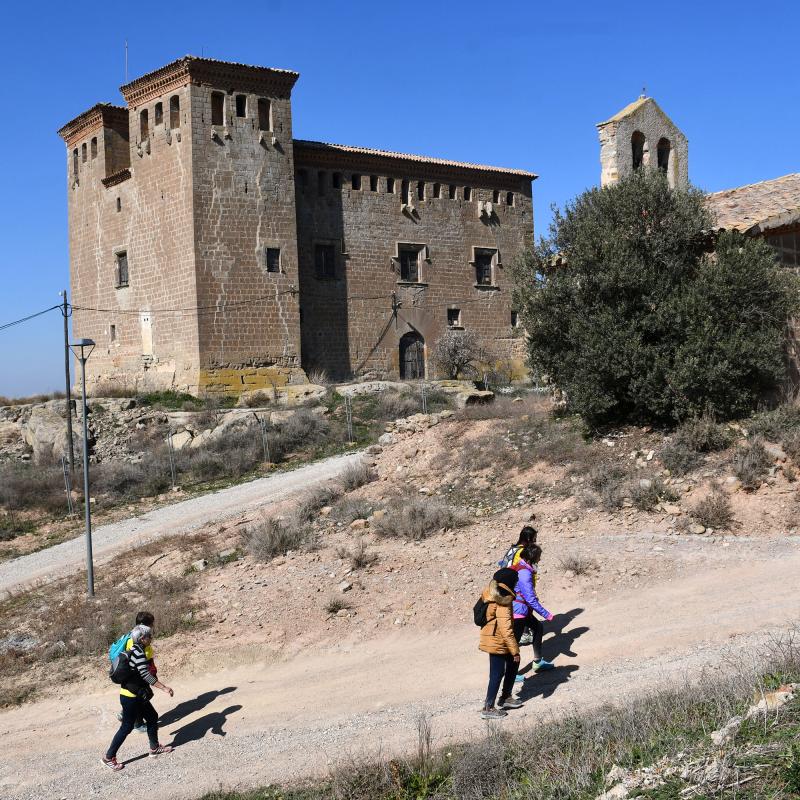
point(182, 517)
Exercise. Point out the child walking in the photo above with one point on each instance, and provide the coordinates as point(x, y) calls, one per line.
point(526, 603)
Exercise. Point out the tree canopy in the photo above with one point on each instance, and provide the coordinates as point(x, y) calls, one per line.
point(637, 312)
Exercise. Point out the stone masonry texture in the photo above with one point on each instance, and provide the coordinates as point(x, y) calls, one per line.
point(197, 192)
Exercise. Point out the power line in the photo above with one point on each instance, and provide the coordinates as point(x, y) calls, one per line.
point(25, 319)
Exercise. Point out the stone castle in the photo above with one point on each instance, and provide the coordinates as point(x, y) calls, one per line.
point(211, 251)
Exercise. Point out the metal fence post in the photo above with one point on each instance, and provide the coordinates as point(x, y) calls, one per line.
point(67, 487)
point(171, 459)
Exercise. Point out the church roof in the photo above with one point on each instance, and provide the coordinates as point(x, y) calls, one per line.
point(758, 206)
point(628, 110)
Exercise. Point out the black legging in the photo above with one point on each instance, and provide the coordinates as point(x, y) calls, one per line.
point(502, 669)
point(537, 629)
point(133, 707)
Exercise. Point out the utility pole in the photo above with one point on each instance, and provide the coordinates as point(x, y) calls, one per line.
point(68, 383)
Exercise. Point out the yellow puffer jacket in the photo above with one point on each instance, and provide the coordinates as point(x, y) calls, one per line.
point(497, 635)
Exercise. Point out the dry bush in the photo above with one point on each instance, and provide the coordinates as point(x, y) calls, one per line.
point(337, 604)
point(417, 517)
point(318, 376)
point(791, 444)
point(528, 405)
point(775, 425)
point(714, 511)
point(751, 462)
point(646, 497)
point(396, 405)
point(276, 537)
point(789, 472)
point(578, 563)
point(39, 487)
point(360, 556)
point(317, 498)
point(31, 399)
point(703, 434)
point(457, 353)
point(608, 481)
point(111, 389)
point(357, 475)
point(122, 480)
point(679, 458)
point(348, 509)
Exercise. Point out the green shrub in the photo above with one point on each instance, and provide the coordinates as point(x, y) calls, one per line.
point(649, 492)
point(774, 425)
point(679, 458)
point(703, 434)
point(638, 321)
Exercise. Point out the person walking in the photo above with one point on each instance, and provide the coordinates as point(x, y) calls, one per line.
point(498, 640)
point(527, 536)
point(526, 603)
point(135, 695)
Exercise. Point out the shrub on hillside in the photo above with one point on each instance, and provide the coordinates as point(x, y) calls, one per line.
point(776, 424)
point(276, 537)
point(357, 475)
point(416, 518)
point(714, 511)
point(751, 463)
point(38, 487)
point(647, 493)
point(693, 438)
point(635, 320)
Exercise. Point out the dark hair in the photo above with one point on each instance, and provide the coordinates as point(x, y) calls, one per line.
point(531, 553)
point(527, 535)
point(145, 618)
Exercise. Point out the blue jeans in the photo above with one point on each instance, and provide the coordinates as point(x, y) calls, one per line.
point(133, 707)
point(501, 669)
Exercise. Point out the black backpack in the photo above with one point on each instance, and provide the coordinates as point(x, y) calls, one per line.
point(120, 671)
point(479, 611)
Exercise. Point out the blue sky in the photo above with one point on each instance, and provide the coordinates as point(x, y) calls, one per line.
point(515, 84)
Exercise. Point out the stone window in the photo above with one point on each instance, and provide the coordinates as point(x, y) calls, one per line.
point(355, 182)
point(321, 183)
point(420, 190)
point(637, 149)
point(662, 153)
point(158, 114)
point(787, 247)
point(144, 124)
point(373, 183)
point(174, 111)
point(509, 198)
point(325, 261)
point(75, 163)
point(121, 270)
point(119, 204)
point(112, 333)
point(468, 193)
point(302, 179)
point(390, 186)
point(496, 196)
point(453, 317)
point(264, 114)
point(514, 319)
point(484, 263)
point(409, 257)
point(404, 193)
point(437, 190)
point(451, 192)
point(336, 180)
point(217, 108)
point(83, 152)
point(241, 105)
point(272, 259)
point(94, 147)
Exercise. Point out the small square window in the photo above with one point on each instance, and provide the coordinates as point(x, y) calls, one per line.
point(112, 333)
point(325, 261)
point(241, 105)
point(373, 183)
point(453, 317)
point(272, 259)
point(390, 186)
point(437, 190)
point(355, 181)
point(121, 270)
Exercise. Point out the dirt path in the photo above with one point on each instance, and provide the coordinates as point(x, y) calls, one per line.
point(256, 722)
point(178, 518)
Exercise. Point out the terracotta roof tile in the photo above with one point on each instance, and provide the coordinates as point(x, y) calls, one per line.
point(758, 206)
point(367, 151)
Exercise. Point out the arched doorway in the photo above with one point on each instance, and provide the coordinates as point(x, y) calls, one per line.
point(412, 356)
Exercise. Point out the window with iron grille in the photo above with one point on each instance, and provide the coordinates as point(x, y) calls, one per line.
point(325, 260)
point(409, 263)
point(121, 270)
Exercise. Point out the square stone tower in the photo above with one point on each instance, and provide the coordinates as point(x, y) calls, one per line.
point(642, 136)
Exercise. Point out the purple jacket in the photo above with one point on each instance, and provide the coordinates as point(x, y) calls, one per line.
point(526, 599)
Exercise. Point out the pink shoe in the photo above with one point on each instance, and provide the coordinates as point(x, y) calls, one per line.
point(160, 750)
point(112, 763)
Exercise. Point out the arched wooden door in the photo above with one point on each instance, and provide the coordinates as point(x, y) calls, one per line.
point(412, 356)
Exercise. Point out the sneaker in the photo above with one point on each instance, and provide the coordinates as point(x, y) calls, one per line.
point(160, 750)
point(141, 729)
point(541, 664)
point(510, 702)
point(519, 679)
point(493, 713)
point(119, 716)
point(112, 763)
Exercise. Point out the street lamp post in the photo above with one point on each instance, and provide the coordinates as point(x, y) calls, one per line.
point(80, 349)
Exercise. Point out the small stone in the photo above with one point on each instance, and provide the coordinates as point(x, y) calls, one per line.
point(697, 528)
point(386, 438)
point(344, 586)
point(325, 510)
point(199, 565)
point(359, 524)
point(342, 612)
point(645, 483)
point(374, 449)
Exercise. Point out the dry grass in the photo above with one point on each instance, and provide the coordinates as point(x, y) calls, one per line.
point(359, 556)
point(751, 462)
point(578, 563)
point(647, 493)
point(356, 476)
point(349, 509)
point(31, 399)
point(714, 511)
point(276, 537)
point(310, 503)
point(337, 604)
point(417, 517)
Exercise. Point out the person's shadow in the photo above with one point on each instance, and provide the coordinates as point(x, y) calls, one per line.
point(194, 731)
point(546, 683)
point(190, 706)
point(562, 640)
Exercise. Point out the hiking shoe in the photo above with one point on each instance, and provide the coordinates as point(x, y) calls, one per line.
point(493, 713)
point(519, 679)
point(119, 716)
point(112, 763)
point(510, 702)
point(141, 729)
point(160, 750)
point(541, 664)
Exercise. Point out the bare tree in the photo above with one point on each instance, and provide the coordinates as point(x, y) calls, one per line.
point(457, 353)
